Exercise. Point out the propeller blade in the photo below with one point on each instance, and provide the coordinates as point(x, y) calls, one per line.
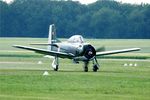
point(100, 49)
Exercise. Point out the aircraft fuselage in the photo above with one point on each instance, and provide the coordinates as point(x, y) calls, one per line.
point(78, 49)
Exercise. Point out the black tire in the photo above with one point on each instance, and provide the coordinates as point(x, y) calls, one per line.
point(56, 69)
point(85, 69)
point(95, 68)
point(86, 66)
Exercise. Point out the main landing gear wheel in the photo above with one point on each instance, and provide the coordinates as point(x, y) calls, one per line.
point(85, 69)
point(95, 68)
point(86, 66)
point(55, 64)
point(56, 69)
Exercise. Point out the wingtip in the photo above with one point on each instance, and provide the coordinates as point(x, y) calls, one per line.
point(17, 46)
point(14, 46)
point(138, 49)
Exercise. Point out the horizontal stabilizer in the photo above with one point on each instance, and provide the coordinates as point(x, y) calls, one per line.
point(44, 44)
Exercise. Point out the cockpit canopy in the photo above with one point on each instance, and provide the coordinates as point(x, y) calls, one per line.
point(76, 39)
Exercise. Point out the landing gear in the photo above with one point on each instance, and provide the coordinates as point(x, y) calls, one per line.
point(55, 63)
point(95, 68)
point(56, 69)
point(95, 65)
point(86, 66)
point(85, 69)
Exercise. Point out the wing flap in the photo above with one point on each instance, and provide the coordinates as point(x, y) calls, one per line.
point(116, 51)
point(46, 52)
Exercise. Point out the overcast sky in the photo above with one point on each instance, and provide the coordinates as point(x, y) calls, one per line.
point(91, 1)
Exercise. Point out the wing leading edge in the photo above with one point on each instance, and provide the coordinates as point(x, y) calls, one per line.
point(46, 52)
point(116, 51)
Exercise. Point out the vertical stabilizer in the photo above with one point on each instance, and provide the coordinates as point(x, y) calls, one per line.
point(51, 36)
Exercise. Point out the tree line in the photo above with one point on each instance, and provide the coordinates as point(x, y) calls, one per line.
point(102, 19)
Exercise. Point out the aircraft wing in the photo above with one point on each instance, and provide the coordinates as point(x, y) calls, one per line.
point(116, 51)
point(46, 52)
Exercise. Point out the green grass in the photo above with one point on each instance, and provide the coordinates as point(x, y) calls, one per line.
point(21, 76)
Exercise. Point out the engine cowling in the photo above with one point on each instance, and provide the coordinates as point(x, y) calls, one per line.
point(89, 51)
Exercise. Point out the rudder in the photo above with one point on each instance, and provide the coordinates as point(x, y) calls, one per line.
point(51, 36)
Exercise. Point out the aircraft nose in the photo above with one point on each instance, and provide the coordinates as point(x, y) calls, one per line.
point(89, 51)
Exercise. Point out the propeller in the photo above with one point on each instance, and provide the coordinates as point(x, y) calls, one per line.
point(100, 49)
point(89, 51)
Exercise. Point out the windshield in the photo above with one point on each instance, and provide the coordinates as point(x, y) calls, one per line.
point(76, 39)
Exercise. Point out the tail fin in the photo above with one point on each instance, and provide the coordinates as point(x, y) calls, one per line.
point(52, 36)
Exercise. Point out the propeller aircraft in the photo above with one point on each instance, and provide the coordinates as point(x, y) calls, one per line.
point(74, 48)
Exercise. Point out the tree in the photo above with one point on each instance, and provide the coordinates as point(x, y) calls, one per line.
point(102, 19)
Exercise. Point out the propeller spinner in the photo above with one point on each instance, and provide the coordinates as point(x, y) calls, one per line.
point(89, 52)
